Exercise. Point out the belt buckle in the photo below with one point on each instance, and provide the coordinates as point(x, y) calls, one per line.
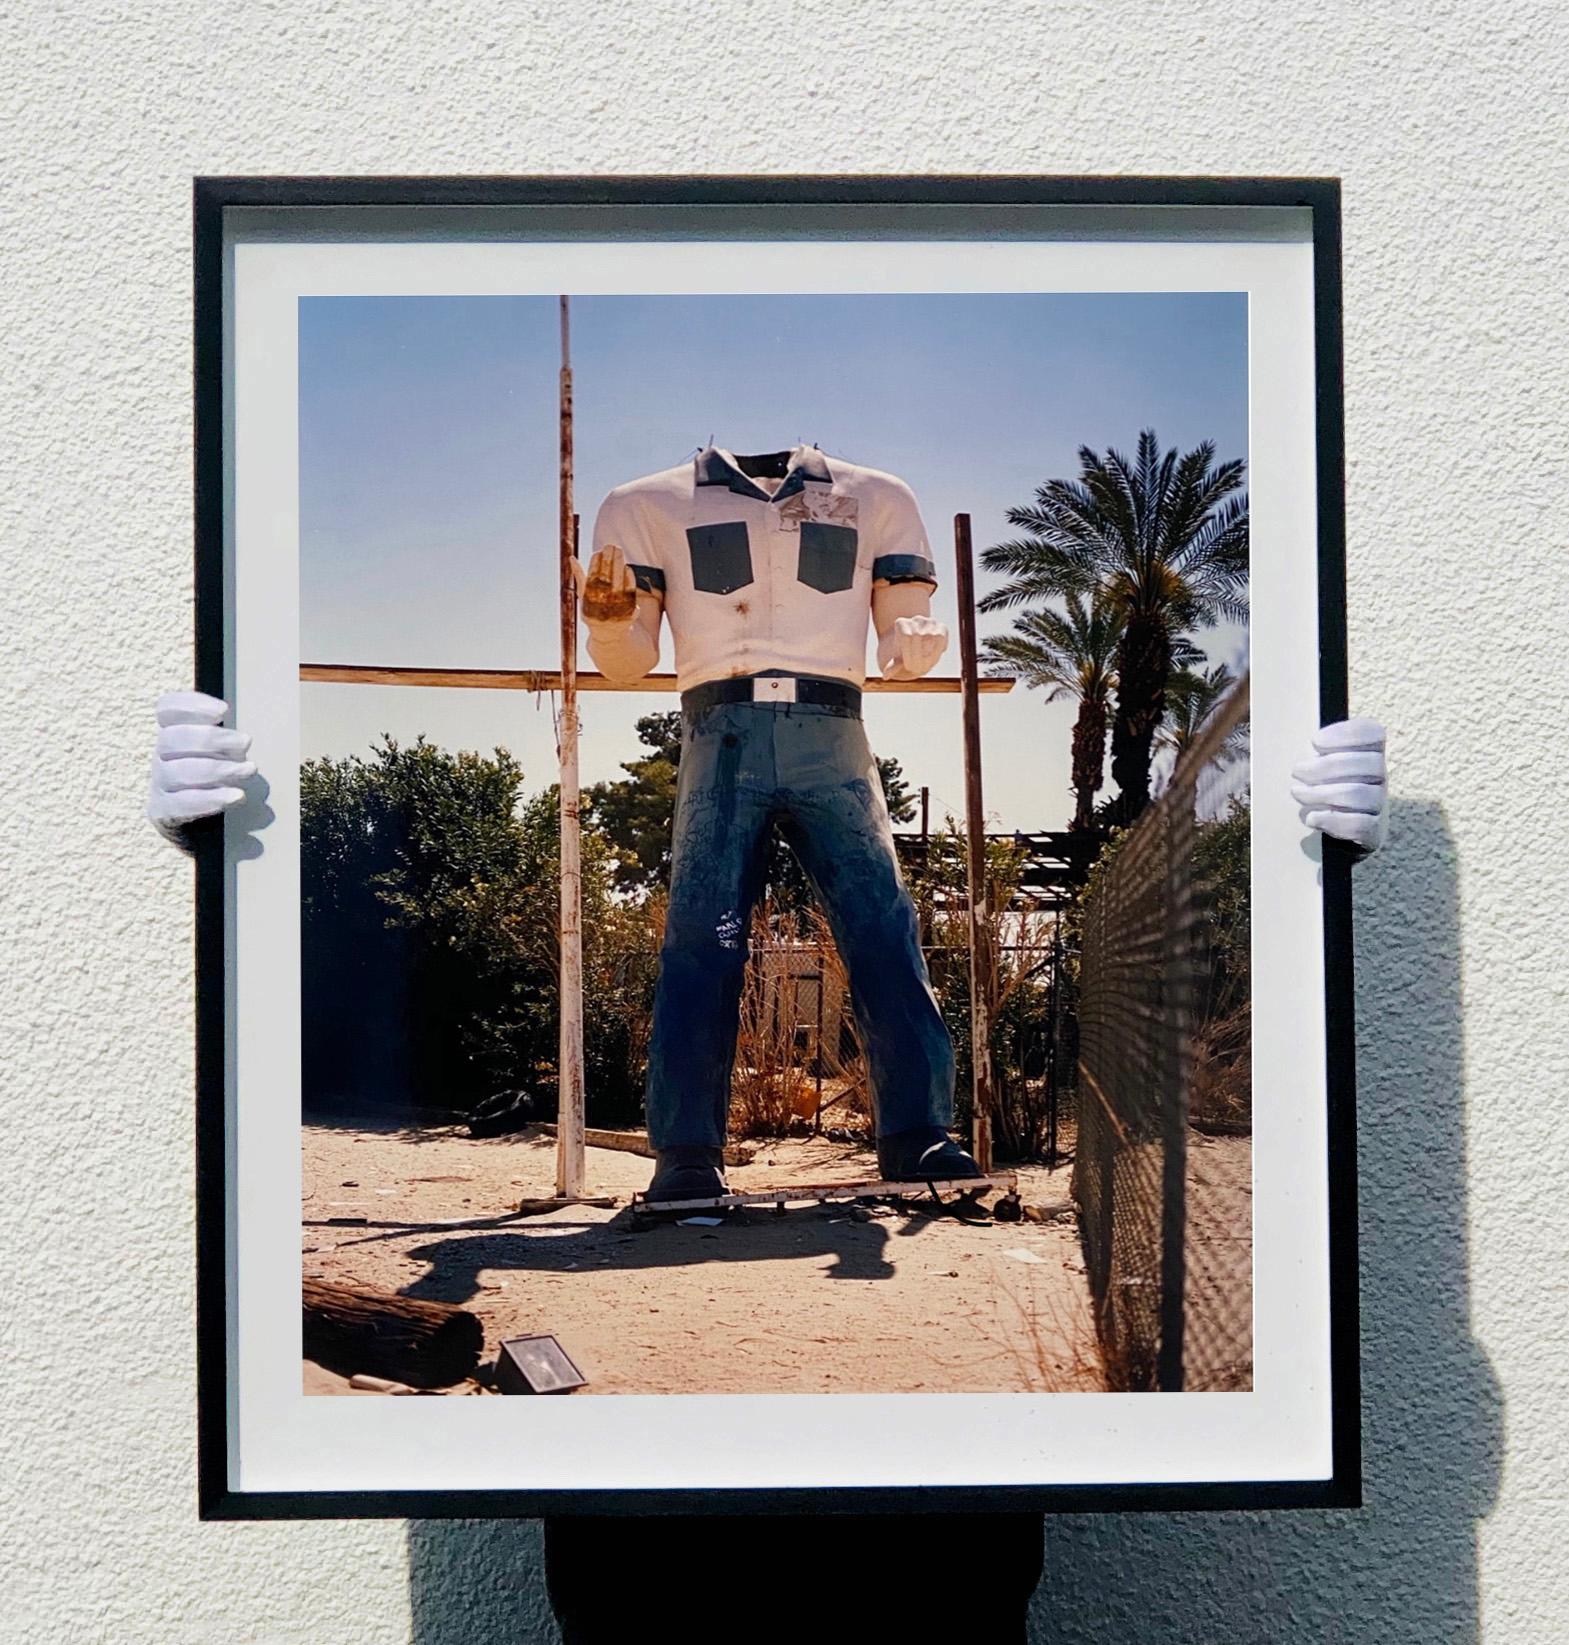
point(773, 688)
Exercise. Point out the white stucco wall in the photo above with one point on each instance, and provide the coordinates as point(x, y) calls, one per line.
point(1445, 121)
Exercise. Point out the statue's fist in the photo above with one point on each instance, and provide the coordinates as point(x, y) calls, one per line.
point(608, 589)
point(917, 644)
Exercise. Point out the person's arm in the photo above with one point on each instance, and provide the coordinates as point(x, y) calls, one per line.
point(1343, 790)
point(909, 638)
point(198, 764)
point(622, 594)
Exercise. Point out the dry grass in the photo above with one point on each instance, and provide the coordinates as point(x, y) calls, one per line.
point(1220, 1087)
point(1052, 1339)
point(775, 1081)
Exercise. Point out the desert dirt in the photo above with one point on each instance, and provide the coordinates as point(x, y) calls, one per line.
point(1218, 1283)
point(831, 1299)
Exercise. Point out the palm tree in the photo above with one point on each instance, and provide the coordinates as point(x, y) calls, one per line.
point(1192, 696)
point(1165, 542)
point(1067, 653)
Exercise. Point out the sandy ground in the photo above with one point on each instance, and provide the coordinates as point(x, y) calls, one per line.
point(1219, 1280)
point(818, 1300)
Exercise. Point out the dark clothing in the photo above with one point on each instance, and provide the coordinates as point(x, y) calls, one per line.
point(818, 1578)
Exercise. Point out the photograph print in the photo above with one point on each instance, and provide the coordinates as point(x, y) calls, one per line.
point(759, 842)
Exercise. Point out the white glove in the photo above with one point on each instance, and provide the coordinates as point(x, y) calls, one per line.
point(198, 764)
point(911, 647)
point(1344, 789)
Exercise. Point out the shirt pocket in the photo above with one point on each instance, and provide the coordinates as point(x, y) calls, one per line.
point(721, 556)
point(827, 556)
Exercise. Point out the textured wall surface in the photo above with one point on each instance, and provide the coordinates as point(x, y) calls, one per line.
point(1445, 121)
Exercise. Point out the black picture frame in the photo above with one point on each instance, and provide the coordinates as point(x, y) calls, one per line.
point(212, 197)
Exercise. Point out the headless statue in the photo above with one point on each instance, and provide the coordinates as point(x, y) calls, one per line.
point(767, 569)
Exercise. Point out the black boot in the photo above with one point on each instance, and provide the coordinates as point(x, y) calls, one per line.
point(687, 1173)
point(925, 1155)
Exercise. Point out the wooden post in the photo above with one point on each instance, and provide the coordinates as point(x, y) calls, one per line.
point(975, 840)
point(569, 1077)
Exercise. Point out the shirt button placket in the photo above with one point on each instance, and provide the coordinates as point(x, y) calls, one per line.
point(776, 602)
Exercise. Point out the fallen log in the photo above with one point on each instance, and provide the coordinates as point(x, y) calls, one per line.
point(425, 1344)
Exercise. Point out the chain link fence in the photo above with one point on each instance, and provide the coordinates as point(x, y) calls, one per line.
point(1163, 1167)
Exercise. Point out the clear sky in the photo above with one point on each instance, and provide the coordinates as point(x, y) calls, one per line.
point(428, 478)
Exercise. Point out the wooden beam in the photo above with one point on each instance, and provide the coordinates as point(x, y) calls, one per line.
point(549, 679)
point(636, 1142)
point(981, 982)
point(571, 1102)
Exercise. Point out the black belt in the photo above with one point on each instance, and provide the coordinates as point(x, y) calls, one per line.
point(820, 693)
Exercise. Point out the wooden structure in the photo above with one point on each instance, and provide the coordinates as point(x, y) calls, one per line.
point(541, 680)
point(569, 1066)
point(1055, 864)
point(965, 1189)
point(982, 992)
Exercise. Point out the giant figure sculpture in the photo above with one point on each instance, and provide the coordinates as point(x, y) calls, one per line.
point(767, 569)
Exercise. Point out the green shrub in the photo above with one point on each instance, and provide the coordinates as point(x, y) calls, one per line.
point(430, 901)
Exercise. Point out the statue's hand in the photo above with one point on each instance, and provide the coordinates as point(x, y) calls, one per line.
point(917, 644)
point(608, 589)
point(1344, 789)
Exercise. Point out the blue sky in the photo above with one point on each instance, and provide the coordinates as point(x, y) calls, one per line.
point(428, 477)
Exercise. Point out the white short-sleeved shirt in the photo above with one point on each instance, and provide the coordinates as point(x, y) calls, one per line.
point(753, 582)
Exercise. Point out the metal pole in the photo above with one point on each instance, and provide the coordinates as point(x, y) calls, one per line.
point(569, 1063)
point(975, 840)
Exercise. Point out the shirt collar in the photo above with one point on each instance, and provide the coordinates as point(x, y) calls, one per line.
point(716, 467)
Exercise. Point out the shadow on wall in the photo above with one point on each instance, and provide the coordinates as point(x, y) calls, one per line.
point(1402, 1569)
point(478, 1580)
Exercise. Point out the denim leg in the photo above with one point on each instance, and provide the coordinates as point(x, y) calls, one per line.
point(835, 817)
point(717, 865)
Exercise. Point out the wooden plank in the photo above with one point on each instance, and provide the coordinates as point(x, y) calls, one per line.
point(540, 680)
point(830, 1192)
point(636, 1142)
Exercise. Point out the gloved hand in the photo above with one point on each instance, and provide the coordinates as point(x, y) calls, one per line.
point(1344, 789)
point(198, 764)
point(910, 649)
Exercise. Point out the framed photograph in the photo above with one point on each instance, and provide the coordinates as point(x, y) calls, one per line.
point(770, 963)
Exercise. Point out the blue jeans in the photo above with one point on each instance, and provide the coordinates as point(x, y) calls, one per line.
point(746, 767)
